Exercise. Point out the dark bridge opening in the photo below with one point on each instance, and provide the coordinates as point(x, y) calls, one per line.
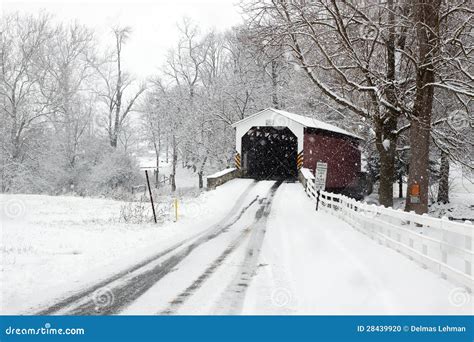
point(270, 153)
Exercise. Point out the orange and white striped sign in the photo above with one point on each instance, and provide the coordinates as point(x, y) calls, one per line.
point(237, 160)
point(299, 160)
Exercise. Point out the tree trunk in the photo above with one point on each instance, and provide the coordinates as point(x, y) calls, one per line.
point(118, 94)
point(157, 173)
point(175, 162)
point(274, 84)
point(113, 140)
point(201, 172)
point(400, 185)
point(386, 124)
point(167, 148)
point(385, 143)
point(387, 169)
point(201, 181)
point(157, 147)
point(443, 187)
point(427, 17)
point(419, 163)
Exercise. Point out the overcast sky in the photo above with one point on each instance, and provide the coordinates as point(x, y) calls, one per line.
point(153, 22)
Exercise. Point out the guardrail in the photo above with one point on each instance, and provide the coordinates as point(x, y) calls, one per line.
point(440, 245)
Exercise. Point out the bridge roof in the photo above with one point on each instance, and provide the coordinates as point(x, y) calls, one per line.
point(302, 120)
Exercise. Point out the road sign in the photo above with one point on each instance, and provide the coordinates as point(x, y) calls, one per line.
point(415, 193)
point(320, 176)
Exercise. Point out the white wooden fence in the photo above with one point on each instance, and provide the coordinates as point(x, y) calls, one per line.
point(440, 245)
point(309, 182)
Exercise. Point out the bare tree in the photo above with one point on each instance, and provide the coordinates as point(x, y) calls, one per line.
point(363, 55)
point(184, 67)
point(451, 137)
point(153, 125)
point(117, 85)
point(70, 75)
point(168, 112)
point(444, 62)
point(348, 51)
point(25, 102)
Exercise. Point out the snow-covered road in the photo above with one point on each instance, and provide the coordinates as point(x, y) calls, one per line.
point(317, 264)
point(270, 253)
point(163, 283)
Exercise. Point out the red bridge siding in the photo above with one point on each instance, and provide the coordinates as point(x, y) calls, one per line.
point(340, 153)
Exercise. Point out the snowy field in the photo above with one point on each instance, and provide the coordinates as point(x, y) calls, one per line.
point(274, 255)
point(53, 245)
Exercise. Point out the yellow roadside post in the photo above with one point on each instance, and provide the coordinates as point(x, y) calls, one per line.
point(176, 209)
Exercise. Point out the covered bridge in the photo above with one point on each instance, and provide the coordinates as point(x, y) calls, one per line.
point(275, 144)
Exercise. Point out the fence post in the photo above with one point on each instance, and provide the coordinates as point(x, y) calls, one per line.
point(444, 252)
point(317, 200)
point(468, 245)
point(411, 241)
point(151, 196)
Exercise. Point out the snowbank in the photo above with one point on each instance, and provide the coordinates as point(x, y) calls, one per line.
point(307, 174)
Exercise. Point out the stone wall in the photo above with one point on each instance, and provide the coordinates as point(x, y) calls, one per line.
point(215, 181)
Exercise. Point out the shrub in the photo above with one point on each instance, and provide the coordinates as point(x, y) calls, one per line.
point(113, 176)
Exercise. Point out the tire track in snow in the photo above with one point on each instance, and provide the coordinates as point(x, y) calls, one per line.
point(181, 298)
point(126, 286)
point(126, 292)
point(231, 301)
point(235, 292)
